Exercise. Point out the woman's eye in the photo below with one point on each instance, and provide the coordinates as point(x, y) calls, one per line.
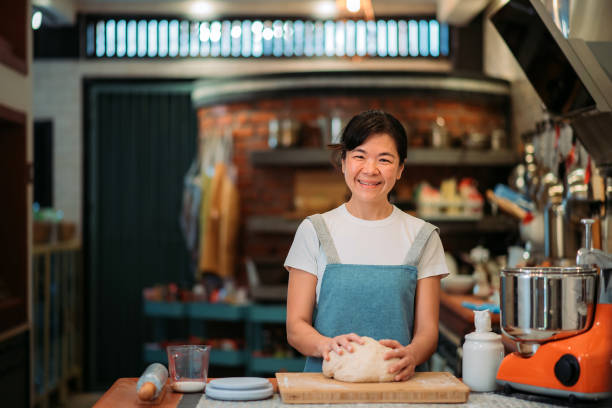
point(358, 156)
point(385, 161)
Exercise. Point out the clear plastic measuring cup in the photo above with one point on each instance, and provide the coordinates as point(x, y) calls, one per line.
point(188, 367)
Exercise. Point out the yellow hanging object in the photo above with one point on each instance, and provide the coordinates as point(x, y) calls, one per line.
point(209, 222)
point(228, 228)
point(204, 206)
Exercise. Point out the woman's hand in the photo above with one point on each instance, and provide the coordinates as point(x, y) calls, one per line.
point(338, 344)
point(404, 368)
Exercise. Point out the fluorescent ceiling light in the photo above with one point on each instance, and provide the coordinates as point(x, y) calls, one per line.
point(325, 9)
point(36, 20)
point(201, 8)
point(353, 5)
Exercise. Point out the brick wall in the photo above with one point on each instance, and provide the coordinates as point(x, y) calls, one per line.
point(57, 96)
point(269, 190)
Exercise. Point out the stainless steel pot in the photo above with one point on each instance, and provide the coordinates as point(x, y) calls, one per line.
point(561, 237)
point(540, 304)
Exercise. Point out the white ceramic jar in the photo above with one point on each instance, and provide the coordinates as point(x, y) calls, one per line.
point(483, 352)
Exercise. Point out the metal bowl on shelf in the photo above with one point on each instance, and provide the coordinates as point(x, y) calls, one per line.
point(539, 304)
point(476, 140)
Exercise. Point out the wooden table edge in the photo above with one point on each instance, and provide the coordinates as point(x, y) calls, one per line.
point(100, 403)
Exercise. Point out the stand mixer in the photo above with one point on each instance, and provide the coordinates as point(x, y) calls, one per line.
point(561, 325)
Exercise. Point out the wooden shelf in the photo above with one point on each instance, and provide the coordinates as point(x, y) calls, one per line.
point(314, 157)
point(13, 62)
point(14, 35)
point(11, 303)
point(14, 232)
point(17, 339)
point(294, 157)
point(11, 117)
point(7, 334)
point(265, 224)
point(57, 312)
point(61, 246)
point(462, 157)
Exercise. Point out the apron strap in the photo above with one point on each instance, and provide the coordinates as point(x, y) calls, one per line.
point(416, 250)
point(325, 238)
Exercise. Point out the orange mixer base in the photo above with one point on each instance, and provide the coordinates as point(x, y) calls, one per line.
point(579, 366)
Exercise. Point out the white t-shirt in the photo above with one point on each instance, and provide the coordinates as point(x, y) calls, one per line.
point(365, 242)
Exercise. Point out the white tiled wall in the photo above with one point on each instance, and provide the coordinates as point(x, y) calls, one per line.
point(57, 97)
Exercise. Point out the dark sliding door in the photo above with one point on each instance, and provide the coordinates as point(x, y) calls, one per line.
point(141, 139)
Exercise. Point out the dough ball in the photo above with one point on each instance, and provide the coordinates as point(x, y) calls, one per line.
point(365, 364)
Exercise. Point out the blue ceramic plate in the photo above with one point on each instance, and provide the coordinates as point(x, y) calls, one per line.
point(239, 394)
point(239, 383)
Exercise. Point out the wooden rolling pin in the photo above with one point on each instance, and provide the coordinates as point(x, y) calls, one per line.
point(151, 382)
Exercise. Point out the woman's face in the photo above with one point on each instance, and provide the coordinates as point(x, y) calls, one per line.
point(372, 168)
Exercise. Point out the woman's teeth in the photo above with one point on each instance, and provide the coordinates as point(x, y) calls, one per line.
point(366, 183)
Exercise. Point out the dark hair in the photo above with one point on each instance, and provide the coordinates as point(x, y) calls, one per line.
point(368, 123)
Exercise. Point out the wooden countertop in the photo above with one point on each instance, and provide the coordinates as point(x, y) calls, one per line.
point(123, 394)
point(455, 318)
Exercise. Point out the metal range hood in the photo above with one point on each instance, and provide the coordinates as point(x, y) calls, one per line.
point(572, 76)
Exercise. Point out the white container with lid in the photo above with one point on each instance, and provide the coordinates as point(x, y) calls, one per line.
point(483, 352)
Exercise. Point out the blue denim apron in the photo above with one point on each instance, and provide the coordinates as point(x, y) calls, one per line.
point(369, 300)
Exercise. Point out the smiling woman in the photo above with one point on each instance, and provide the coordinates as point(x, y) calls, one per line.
point(366, 268)
point(373, 162)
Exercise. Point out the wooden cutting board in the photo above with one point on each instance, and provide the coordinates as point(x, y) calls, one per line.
point(426, 387)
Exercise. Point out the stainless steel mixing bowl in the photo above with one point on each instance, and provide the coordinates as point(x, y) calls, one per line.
point(539, 304)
